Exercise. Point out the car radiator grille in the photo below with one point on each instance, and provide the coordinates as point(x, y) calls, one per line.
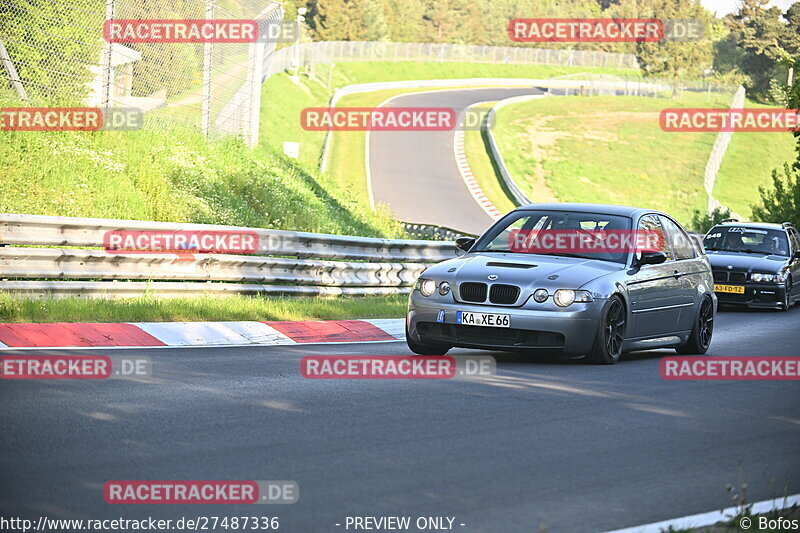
point(502, 337)
point(499, 293)
point(473, 292)
point(721, 276)
point(503, 294)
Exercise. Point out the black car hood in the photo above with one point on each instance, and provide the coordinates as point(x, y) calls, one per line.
point(742, 262)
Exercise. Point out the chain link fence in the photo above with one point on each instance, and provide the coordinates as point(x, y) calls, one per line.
point(717, 154)
point(54, 53)
point(310, 54)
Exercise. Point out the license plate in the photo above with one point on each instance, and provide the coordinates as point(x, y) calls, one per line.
point(482, 319)
point(733, 289)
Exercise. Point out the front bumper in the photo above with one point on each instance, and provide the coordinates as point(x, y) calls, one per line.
point(756, 295)
point(570, 330)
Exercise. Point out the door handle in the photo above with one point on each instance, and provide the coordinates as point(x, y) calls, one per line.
point(676, 274)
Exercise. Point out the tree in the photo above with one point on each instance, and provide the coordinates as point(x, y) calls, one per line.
point(405, 20)
point(781, 203)
point(702, 221)
point(675, 59)
point(370, 19)
point(755, 44)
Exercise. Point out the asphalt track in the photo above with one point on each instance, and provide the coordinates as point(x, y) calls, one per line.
point(415, 173)
point(573, 447)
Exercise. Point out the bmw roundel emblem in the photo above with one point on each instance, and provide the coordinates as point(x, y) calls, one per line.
point(491, 277)
point(730, 267)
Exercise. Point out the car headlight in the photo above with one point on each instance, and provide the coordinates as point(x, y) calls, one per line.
point(767, 278)
point(426, 286)
point(540, 295)
point(444, 288)
point(566, 297)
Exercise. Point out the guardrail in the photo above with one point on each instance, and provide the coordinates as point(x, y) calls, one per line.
point(71, 250)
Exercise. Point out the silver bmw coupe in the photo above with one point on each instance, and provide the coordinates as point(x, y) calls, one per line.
point(580, 279)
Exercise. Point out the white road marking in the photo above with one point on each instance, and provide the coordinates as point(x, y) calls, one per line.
point(707, 519)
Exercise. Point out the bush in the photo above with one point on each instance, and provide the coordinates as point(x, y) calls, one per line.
point(781, 203)
point(702, 222)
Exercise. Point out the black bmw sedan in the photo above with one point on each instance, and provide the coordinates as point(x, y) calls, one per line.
point(755, 264)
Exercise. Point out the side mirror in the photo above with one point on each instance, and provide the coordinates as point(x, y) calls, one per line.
point(652, 258)
point(463, 245)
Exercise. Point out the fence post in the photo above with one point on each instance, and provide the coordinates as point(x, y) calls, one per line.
point(205, 120)
point(12, 73)
point(105, 98)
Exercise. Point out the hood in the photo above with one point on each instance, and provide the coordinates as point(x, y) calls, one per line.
point(524, 270)
point(742, 262)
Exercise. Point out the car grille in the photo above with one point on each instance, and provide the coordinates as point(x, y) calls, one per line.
point(721, 276)
point(736, 277)
point(503, 294)
point(473, 292)
point(480, 336)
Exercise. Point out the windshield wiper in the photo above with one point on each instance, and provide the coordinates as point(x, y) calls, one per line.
point(751, 251)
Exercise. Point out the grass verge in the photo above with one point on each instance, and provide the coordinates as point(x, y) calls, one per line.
point(611, 149)
point(285, 97)
point(748, 164)
point(154, 309)
point(483, 167)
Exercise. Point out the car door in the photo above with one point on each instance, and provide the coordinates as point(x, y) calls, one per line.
point(652, 289)
point(689, 272)
point(794, 261)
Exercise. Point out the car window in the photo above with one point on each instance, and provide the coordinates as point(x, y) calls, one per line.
point(565, 233)
point(795, 241)
point(747, 240)
point(650, 223)
point(680, 241)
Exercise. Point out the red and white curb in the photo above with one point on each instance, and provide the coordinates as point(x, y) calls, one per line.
point(194, 334)
point(469, 179)
point(715, 517)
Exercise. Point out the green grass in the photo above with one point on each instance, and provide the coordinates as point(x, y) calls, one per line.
point(608, 149)
point(284, 98)
point(484, 169)
point(152, 309)
point(173, 175)
point(748, 164)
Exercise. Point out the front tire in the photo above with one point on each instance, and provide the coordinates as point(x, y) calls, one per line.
point(787, 299)
point(703, 330)
point(424, 348)
point(607, 347)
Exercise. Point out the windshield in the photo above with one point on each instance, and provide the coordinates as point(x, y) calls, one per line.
point(560, 233)
point(747, 240)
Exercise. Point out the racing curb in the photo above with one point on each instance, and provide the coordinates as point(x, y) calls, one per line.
point(194, 334)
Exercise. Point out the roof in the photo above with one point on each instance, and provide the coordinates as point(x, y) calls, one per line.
point(610, 209)
point(753, 225)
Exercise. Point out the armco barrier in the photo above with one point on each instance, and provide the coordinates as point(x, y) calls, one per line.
point(286, 262)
